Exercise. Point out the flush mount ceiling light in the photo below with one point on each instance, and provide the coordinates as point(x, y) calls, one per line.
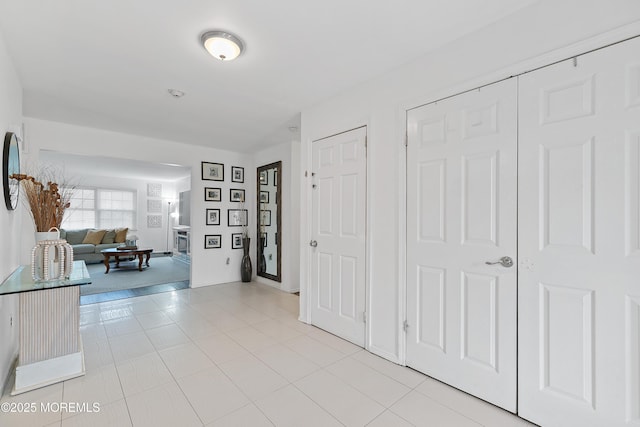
point(222, 45)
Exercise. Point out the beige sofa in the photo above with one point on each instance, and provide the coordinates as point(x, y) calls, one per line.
point(87, 251)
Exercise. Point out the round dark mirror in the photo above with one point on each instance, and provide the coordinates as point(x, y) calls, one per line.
point(10, 165)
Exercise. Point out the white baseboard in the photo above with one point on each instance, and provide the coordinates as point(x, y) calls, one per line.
point(47, 372)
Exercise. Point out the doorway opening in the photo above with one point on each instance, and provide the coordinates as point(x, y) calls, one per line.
point(150, 200)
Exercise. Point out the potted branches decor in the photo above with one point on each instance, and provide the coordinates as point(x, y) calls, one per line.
point(246, 268)
point(52, 257)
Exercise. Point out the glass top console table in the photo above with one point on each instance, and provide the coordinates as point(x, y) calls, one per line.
point(50, 347)
point(21, 280)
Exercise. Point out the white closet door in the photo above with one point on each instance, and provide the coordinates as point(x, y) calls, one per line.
point(579, 241)
point(461, 213)
point(338, 219)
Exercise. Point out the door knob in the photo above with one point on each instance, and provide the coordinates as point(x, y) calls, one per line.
point(505, 261)
point(313, 243)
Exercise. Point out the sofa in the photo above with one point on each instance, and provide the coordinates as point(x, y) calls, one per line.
point(88, 242)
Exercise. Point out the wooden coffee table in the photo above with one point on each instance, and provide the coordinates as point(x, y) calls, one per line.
point(117, 253)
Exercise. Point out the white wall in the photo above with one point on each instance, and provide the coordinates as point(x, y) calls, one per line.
point(10, 221)
point(546, 31)
point(288, 153)
point(183, 185)
point(207, 266)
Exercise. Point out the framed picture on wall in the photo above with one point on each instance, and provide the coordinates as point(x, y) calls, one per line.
point(236, 195)
point(264, 177)
point(154, 205)
point(154, 190)
point(237, 174)
point(264, 197)
point(212, 241)
point(212, 194)
point(236, 217)
point(236, 241)
point(154, 221)
point(265, 217)
point(212, 171)
point(213, 216)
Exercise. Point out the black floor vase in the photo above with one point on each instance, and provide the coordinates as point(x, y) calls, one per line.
point(245, 266)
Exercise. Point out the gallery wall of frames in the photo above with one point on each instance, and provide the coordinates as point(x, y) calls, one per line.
point(224, 208)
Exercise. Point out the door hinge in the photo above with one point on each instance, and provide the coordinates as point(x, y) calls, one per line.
point(364, 316)
point(406, 139)
point(405, 326)
point(306, 174)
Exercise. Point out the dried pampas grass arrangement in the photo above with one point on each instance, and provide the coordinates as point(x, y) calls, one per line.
point(47, 202)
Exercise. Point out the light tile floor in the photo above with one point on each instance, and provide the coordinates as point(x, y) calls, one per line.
point(236, 355)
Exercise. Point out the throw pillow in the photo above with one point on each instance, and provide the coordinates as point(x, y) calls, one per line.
point(109, 237)
point(121, 235)
point(94, 237)
point(75, 237)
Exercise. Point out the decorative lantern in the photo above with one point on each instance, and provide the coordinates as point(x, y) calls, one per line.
point(51, 260)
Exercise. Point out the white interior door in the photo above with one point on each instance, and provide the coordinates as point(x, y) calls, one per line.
point(579, 241)
point(461, 213)
point(339, 227)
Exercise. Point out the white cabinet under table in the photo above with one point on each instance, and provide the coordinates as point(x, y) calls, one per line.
point(50, 347)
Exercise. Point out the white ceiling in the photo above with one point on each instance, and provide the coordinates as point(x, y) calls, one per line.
point(79, 166)
point(108, 64)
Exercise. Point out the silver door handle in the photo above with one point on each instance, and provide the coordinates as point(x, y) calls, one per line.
point(313, 243)
point(505, 261)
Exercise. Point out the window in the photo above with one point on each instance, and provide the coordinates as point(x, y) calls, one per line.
point(115, 209)
point(82, 212)
point(101, 208)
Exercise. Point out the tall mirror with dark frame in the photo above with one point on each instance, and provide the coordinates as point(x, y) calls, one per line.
point(10, 166)
point(269, 212)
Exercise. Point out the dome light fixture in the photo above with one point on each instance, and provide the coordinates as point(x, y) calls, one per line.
point(222, 45)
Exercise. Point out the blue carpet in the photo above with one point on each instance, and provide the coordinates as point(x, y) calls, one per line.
point(161, 270)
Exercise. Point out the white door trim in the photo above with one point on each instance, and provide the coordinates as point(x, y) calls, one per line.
point(402, 242)
point(305, 232)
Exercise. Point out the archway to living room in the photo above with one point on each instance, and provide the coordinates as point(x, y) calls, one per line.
point(133, 214)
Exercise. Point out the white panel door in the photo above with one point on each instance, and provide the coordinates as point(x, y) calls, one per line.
point(579, 240)
point(338, 224)
point(461, 214)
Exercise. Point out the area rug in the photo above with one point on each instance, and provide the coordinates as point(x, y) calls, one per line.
point(160, 270)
